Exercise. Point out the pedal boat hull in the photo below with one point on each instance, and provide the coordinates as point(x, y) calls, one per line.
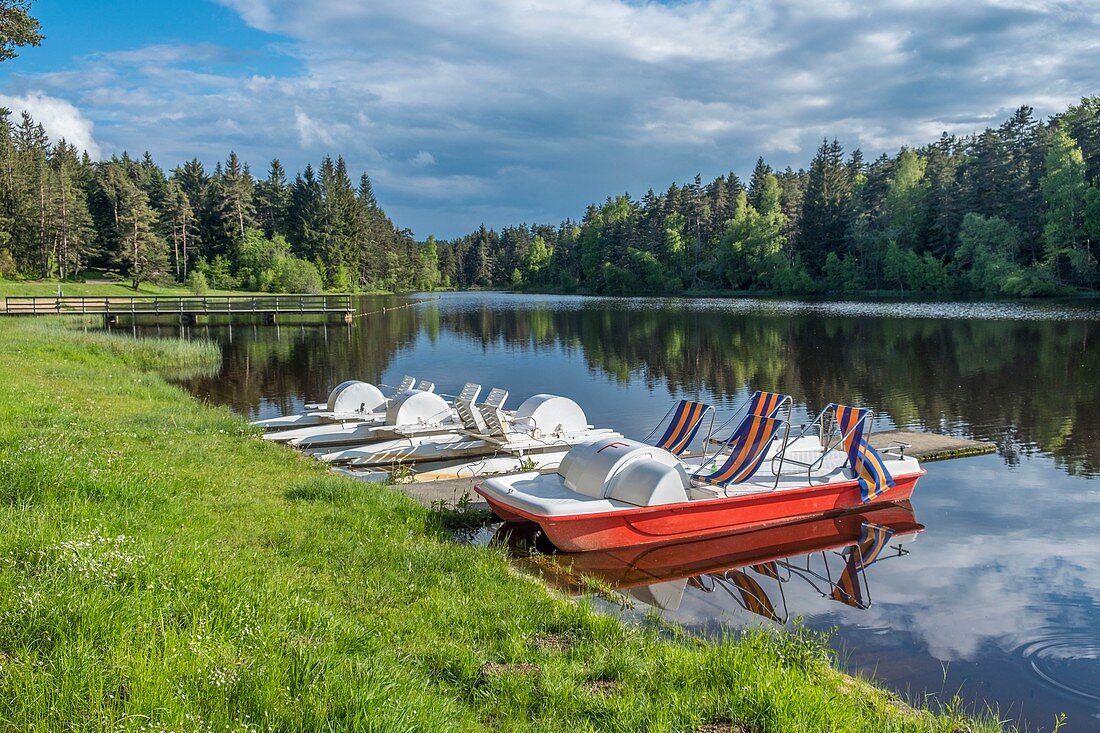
point(695, 519)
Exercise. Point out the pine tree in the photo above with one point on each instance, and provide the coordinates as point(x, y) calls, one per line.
point(825, 208)
point(17, 28)
point(306, 215)
point(760, 174)
point(137, 248)
point(71, 235)
point(180, 217)
point(273, 200)
point(195, 184)
point(233, 206)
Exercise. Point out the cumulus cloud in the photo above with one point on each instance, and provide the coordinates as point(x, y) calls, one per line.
point(310, 130)
point(59, 118)
point(589, 97)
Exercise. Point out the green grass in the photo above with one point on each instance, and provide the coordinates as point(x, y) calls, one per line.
point(48, 288)
point(162, 568)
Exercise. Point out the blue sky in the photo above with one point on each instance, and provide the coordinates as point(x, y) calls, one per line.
point(504, 111)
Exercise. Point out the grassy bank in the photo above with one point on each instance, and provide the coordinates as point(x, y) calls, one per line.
point(48, 288)
point(122, 289)
point(161, 568)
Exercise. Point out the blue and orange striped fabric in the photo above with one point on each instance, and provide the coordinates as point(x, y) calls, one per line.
point(753, 597)
point(685, 422)
point(747, 449)
point(765, 404)
point(873, 539)
point(874, 479)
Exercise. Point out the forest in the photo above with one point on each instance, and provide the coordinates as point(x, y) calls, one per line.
point(1011, 212)
point(62, 213)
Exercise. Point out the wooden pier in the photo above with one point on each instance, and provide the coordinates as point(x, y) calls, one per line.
point(185, 307)
point(931, 446)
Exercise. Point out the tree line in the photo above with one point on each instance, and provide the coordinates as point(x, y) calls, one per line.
point(62, 213)
point(1011, 211)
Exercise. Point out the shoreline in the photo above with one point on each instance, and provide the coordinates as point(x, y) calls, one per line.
point(165, 566)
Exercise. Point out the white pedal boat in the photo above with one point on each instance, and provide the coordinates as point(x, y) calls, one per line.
point(417, 410)
point(350, 401)
point(540, 432)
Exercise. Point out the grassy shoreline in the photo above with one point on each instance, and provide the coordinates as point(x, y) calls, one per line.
point(119, 289)
point(163, 569)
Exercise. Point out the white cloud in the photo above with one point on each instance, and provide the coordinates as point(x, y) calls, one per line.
point(573, 90)
point(310, 130)
point(59, 118)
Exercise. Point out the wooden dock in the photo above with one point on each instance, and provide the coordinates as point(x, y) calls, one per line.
point(931, 446)
point(186, 307)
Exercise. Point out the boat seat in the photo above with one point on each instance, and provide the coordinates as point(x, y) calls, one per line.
point(496, 398)
point(425, 386)
point(496, 422)
point(406, 384)
point(492, 413)
point(469, 414)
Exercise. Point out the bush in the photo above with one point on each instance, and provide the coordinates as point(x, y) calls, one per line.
point(786, 277)
point(985, 258)
point(268, 266)
point(197, 284)
point(8, 270)
point(842, 273)
point(217, 272)
point(294, 275)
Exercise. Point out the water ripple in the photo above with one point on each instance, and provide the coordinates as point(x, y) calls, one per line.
point(1067, 661)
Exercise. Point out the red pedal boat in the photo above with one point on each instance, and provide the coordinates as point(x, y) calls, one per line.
point(618, 492)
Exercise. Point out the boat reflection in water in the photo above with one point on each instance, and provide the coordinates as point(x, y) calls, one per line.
point(829, 555)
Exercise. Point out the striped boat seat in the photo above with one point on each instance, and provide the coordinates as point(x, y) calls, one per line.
point(748, 445)
point(865, 462)
point(682, 427)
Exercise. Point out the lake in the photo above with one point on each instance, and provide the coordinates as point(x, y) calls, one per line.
point(997, 600)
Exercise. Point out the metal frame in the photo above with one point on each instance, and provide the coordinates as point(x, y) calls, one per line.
point(782, 451)
point(826, 436)
point(787, 400)
point(723, 581)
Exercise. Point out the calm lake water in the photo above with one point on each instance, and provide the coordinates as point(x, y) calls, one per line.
point(998, 600)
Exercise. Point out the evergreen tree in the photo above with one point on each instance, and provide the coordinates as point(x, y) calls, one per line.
point(182, 227)
point(824, 219)
point(71, 237)
point(760, 174)
point(137, 248)
point(232, 204)
point(273, 200)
